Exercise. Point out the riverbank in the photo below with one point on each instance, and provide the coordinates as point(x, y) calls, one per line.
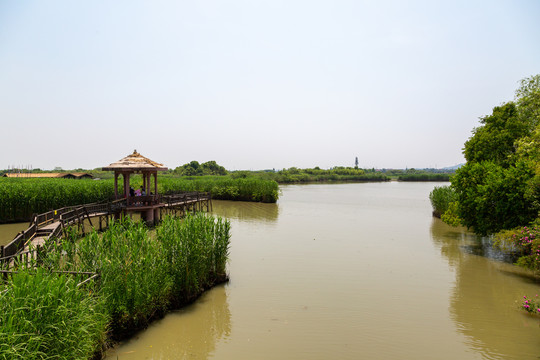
point(142, 275)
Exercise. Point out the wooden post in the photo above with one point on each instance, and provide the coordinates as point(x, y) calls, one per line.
point(115, 185)
point(126, 185)
point(145, 183)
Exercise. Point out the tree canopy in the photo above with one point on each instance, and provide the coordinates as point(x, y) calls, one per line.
point(498, 188)
point(193, 168)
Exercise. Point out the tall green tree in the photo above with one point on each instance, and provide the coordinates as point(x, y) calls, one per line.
point(498, 188)
point(528, 100)
point(193, 168)
point(212, 168)
point(494, 140)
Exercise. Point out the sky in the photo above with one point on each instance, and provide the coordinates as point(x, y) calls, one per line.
point(256, 84)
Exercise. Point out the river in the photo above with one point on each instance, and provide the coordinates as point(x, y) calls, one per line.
point(350, 271)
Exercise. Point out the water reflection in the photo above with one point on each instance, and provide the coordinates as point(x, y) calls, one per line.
point(486, 294)
point(246, 211)
point(9, 231)
point(189, 333)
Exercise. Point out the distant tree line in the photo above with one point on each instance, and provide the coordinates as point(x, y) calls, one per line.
point(316, 174)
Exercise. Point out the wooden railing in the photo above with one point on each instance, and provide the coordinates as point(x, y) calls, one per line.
point(20, 240)
point(76, 214)
point(146, 200)
point(186, 197)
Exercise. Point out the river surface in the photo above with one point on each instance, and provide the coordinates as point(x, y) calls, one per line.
point(350, 271)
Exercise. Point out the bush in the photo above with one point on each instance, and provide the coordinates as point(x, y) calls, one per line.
point(441, 197)
point(524, 243)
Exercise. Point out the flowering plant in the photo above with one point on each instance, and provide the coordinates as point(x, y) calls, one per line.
point(524, 242)
point(531, 305)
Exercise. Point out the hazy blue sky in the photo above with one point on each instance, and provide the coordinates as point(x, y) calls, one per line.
point(257, 84)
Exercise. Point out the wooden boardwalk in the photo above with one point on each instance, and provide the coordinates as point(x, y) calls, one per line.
point(53, 224)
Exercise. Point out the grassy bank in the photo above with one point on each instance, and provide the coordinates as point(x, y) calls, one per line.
point(142, 275)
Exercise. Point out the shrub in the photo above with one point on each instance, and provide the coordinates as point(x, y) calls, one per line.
point(441, 197)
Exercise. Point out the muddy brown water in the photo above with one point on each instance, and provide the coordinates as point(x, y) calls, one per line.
point(350, 271)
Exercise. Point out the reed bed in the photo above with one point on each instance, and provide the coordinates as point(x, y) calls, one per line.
point(142, 273)
point(20, 198)
point(441, 198)
point(46, 316)
point(196, 251)
point(224, 187)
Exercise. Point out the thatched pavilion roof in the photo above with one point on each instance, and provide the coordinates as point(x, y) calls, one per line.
point(135, 162)
point(50, 175)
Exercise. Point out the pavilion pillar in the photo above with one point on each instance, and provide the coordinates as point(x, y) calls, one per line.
point(145, 187)
point(115, 185)
point(126, 185)
point(155, 183)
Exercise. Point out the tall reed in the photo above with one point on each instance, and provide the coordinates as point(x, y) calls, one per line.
point(20, 198)
point(197, 249)
point(142, 273)
point(441, 199)
point(225, 187)
point(46, 316)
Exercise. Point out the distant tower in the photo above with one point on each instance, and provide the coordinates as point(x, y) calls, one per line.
point(356, 162)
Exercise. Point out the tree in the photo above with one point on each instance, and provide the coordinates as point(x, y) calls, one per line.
point(494, 140)
point(212, 168)
point(528, 100)
point(193, 168)
point(498, 188)
point(492, 198)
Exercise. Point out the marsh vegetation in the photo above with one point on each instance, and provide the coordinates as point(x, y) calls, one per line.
point(142, 274)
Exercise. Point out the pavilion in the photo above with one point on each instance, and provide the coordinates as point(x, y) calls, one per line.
point(148, 205)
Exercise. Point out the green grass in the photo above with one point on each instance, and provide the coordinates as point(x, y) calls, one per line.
point(45, 316)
